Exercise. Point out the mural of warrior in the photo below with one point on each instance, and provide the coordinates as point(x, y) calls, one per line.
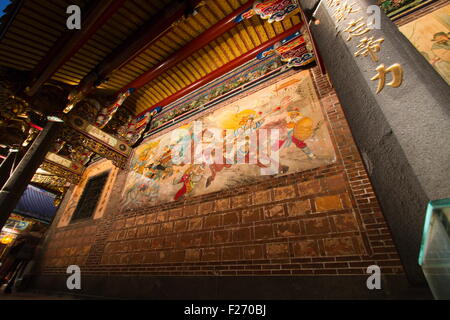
point(189, 179)
point(299, 129)
point(162, 167)
point(287, 113)
point(145, 189)
point(215, 167)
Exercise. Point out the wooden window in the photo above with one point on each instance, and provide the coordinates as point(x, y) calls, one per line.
point(89, 199)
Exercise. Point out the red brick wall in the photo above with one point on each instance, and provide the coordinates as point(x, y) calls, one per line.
point(323, 221)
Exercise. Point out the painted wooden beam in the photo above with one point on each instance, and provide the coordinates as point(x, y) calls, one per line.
point(71, 41)
point(225, 68)
point(197, 43)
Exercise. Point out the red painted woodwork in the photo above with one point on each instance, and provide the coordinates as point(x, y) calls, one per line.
point(199, 42)
point(225, 68)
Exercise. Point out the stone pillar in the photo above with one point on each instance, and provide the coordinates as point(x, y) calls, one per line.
point(23, 173)
point(402, 130)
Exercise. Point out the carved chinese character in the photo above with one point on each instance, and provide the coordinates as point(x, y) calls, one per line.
point(333, 3)
point(344, 10)
point(369, 46)
point(356, 28)
point(397, 76)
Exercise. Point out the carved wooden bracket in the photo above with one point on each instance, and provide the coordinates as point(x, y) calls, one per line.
point(51, 182)
point(89, 136)
point(60, 171)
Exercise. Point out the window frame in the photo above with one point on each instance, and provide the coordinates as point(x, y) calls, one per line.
point(81, 199)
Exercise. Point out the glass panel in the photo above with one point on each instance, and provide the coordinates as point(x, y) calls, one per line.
point(435, 250)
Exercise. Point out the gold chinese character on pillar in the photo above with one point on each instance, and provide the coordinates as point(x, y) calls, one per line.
point(356, 28)
point(397, 76)
point(356, 25)
point(333, 3)
point(343, 11)
point(369, 46)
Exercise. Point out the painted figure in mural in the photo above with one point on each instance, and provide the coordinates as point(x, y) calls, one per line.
point(145, 187)
point(287, 112)
point(430, 35)
point(143, 190)
point(441, 48)
point(299, 129)
point(141, 158)
point(242, 124)
point(189, 179)
point(209, 154)
point(180, 145)
point(215, 168)
point(250, 122)
point(162, 167)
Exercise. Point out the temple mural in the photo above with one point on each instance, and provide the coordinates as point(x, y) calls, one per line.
point(430, 35)
point(277, 130)
point(396, 8)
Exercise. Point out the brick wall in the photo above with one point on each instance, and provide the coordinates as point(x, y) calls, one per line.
point(323, 221)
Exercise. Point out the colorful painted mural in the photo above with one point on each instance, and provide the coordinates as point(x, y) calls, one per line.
point(396, 8)
point(218, 89)
point(227, 147)
point(430, 35)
